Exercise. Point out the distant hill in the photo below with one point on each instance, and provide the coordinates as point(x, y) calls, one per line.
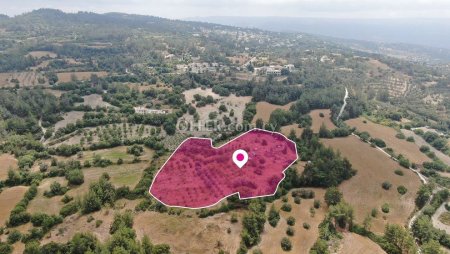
point(429, 32)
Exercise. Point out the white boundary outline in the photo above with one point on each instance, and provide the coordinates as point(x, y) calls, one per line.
point(195, 208)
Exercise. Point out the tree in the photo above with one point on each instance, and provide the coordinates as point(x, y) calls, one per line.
point(342, 213)
point(259, 123)
point(333, 196)
point(432, 247)
point(401, 238)
point(274, 216)
point(286, 244)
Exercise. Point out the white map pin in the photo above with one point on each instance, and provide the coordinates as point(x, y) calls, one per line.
point(240, 158)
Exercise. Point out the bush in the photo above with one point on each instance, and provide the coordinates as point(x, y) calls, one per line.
point(399, 172)
point(378, 142)
point(333, 196)
point(286, 244)
point(386, 185)
point(385, 208)
point(291, 221)
point(14, 236)
point(75, 177)
point(274, 216)
point(69, 209)
point(410, 139)
point(424, 149)
point(98, 223)
point(66, 199)
point(306, 194)
point(400, 136)
point(374, 213)
point(402, 189)
point(286, 207)
point(306, 226)
point(234, 218)
point(404, 162)
point(297, 200)
point(290, 231)
point(317, 204)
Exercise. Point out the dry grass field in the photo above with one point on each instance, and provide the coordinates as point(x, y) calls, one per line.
point(94, 100)
point(82, 75)
point(303, 239)
point(78, 223)
point(192, 235)
point(317, 121)
point(400, 146)
point(28, 78)
point(356, 244)
point(42, 204)
point(364, 191)
point(264, 109)
point(69, 117)
point(7, 161)
point(40, 54)
point(9, 197)
point(286, 130)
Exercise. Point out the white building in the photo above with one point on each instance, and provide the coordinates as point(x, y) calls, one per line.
point(146, 111)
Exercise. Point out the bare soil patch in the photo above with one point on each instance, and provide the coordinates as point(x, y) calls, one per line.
point(190, 234)
point(364, 191)
point(400, 146)
point(7, 161)
point(82, 75)
point(303, 239)
point(286, 130)
point(95, 100)
point(317, 121)
point(27, 78)
point(9, 197)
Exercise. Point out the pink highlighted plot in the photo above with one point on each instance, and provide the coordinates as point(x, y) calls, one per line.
point(198, 175)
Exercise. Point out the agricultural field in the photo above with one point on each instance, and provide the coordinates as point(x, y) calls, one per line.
point(317, 120)
point(188, 234)
point(28, 78)
point(419, 141)
point(286, 130)
point(400, 146)
point(373, 168)
point(82, 75)
point(7, 161)
point(303, 239)
point(264, 109)
point(8, 199)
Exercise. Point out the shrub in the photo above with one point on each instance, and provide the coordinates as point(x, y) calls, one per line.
point(98, 223)
point(374, 213)
point(399, 172)
point(120, 161)
point(321, 114)
point(317, 204)
point(286, 244)
point(234, 218)
point(385, 208)
point(291, 221)
point(400, 136)
point(286, 207)
point(424, 149)
point(66, 199)
point(410, 139)
point(306, 194)
point(284, 199)
point(297, 200)
point(386, 185)
point(75, 177)
point(306, 226)
point(274, 216)
point(14, 236)
point(290, 231)
point(378, 142)
point(69, 209)
point(402, 189)
point(333, 196)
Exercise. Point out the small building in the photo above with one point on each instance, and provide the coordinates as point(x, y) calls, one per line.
point(147, 111)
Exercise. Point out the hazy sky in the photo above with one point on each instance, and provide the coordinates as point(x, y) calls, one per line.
point(202, 8)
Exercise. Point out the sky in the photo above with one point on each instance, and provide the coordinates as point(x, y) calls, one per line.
point(180, 9)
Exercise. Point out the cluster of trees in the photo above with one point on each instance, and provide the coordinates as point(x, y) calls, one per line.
point(253, 225)
point(434, 139)
point(19, 214)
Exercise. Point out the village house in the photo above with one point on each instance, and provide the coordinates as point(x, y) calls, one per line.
point(147, 111)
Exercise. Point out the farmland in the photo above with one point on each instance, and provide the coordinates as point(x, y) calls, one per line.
point(318, 120)
point(373, 169)
point(400, 146)
point(68, 76)
point(7, 162)
point(264, 109)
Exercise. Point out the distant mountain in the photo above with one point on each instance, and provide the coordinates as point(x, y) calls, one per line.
point(428, 32)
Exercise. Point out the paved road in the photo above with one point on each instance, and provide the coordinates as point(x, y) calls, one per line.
point(420, 142)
